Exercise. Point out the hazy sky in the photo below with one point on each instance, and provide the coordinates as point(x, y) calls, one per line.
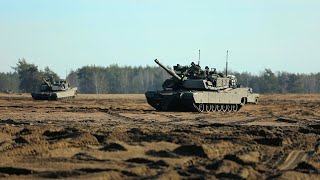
point(63, 34)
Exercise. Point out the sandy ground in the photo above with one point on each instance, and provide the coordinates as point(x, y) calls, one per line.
point(121, 136)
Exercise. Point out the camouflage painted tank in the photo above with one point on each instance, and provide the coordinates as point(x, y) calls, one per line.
point(193, 89)
point(54, 90)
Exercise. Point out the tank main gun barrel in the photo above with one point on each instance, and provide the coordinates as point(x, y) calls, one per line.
point(172, 73)
point(48, 83)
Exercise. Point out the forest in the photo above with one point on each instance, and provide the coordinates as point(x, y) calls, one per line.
point(115, 79)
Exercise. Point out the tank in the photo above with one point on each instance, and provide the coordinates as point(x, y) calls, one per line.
point(191, 88)
point(55, 90)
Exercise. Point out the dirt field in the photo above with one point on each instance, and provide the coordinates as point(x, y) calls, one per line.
point(121, 136)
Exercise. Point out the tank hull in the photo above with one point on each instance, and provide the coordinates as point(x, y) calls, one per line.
point(55, 95)
point(226, 100)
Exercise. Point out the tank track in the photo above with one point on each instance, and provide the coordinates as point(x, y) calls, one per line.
point(65, 98)
point(50, 97)
point(204, 107)
point(159, 105)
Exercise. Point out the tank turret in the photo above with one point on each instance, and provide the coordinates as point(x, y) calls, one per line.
point(194, 78)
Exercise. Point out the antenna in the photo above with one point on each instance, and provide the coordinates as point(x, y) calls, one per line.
point(199, 58)
point(227, 63)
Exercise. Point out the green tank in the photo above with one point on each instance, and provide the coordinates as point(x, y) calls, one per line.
point(54, 90)
point(193, 89)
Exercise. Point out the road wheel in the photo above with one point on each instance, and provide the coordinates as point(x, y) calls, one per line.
point(201, 107)
point(208, 107)
point(213, 107)
point(218, 107)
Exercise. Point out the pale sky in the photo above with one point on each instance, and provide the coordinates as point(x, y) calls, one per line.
point(283, 35)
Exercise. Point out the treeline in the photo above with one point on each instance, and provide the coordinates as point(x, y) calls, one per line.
point(9, 82)
point(280, 82)
point(26, 78)
point(116, 79)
